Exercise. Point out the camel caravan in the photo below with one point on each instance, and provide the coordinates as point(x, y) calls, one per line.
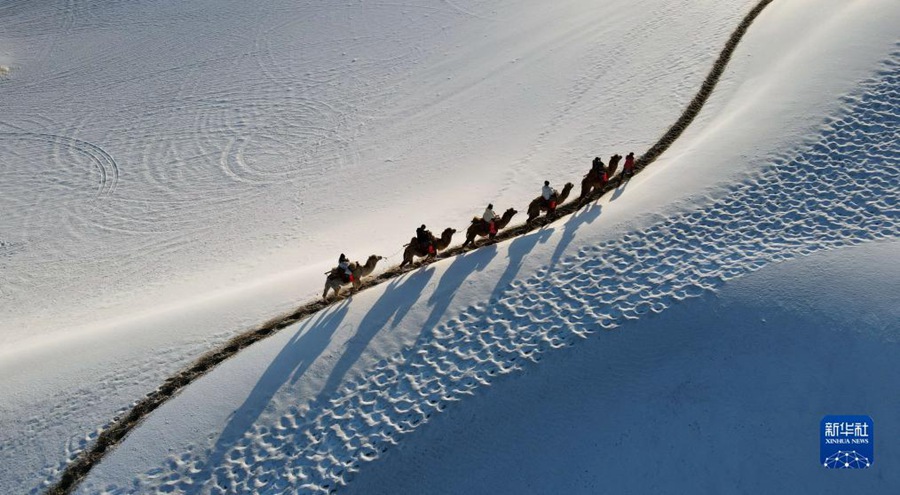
point(426, 245)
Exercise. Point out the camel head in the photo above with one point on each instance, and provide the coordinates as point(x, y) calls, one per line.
point(448, 232)
point(565, 192)
point(510, 213)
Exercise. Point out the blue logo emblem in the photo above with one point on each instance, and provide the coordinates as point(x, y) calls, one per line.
point(848, 442)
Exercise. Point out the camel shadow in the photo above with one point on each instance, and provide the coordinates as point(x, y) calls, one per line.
point(516, 252)
point(293, 360)
point(441, 298)
point(462, 266)
point(393, 305)
point(397, 301)
point(620, 189)
point(581, 217)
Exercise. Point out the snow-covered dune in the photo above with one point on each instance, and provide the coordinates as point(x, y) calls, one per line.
point(722, 394)
point(177, 172)
point(313, 405)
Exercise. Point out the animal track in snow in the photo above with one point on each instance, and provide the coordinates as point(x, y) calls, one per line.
point(839, 191)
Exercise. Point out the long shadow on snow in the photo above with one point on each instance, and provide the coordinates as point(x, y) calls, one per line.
point(516, 252)
point(398, 297)
point(585, 215)
point(462, 266)
point(396, 302)
point(620, 189)
point(292, 361)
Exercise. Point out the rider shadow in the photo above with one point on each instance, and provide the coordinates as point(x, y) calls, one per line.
point(395, 302)
point(583, 216)
point(292, 361)
point(516, 252)
point(620, 189)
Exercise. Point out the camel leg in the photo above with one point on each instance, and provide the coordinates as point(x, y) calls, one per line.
point(328, 285)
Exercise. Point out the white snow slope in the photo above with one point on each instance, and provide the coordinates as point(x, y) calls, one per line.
point(237, 142)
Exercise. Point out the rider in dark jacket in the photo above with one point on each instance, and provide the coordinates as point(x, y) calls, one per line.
point(424, 237)
point(597, 167)
point(344, 266)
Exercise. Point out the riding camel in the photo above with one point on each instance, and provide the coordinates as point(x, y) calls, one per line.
point(594, 180)
point(538, 205)
point(336, 277)
point(414, 249)
point(480, 228)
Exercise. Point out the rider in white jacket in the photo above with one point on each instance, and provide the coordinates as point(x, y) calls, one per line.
point(547, 192)
point(489, 214)
point(344, 264)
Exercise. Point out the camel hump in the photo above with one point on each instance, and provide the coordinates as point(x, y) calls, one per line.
point(476, 219)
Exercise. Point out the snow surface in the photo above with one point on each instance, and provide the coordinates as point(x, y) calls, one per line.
point(216, 145)
point(720, 395)
point(310, 406)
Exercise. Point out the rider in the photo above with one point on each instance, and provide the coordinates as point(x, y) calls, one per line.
point(489, 216)
point(424, 237)
point(628, 168)
point(549, 194)
point(344, 264)
point(597, 167)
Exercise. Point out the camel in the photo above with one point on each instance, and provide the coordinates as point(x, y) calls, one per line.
point(480, 228)
point(538, 204)
point(590, 183)
point(594, 182)
point(413, 249)
point(335, 279)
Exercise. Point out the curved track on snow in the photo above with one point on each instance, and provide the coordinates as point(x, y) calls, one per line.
point(116, 431)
